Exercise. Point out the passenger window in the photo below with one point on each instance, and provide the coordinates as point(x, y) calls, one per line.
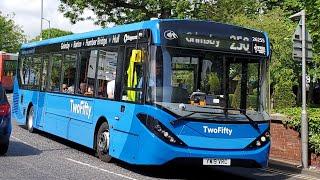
point(24, 70)
point(35, 71)
point(44, 77)
point(133, 75)
point(107, 73)
point(54, 80)
point(88, 63)
point(69, 73)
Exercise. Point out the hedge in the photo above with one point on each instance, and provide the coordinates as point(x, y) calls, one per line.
point(294, 121)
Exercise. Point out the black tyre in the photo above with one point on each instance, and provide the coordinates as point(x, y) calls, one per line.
point(4, 148)
point(30, 120)
point(103, 142)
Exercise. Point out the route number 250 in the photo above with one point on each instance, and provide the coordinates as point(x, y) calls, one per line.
point(241, 46)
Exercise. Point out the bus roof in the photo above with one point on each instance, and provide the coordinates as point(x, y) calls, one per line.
point(153, 25)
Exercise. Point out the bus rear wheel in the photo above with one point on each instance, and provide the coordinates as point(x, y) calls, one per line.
point(30, 120)
point(103, 142)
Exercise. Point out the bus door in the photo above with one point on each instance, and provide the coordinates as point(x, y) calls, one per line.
point(42, 94)
point(132, 79)
point(133, 84)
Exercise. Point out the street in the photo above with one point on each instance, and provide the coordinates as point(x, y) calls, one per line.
point(40, 155)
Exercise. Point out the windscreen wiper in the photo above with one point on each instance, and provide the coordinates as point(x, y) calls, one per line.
point(190, 114)
point(242, 111)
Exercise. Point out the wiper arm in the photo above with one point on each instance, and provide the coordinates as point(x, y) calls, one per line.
point(242, 111)
point(188, 115)
point(181, 117)
point(252, 122)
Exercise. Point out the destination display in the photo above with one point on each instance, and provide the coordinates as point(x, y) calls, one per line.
point(99, 41)
point(213, 36)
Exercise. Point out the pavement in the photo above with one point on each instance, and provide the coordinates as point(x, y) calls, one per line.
point(286, 166)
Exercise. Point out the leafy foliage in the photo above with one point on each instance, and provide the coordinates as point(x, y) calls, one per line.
point(214, 82)
point(52, 33)
point(235, 101)
point(283, 76)
point(11, 35)
point(283, 95)
point(122, 11)
point(294, 121)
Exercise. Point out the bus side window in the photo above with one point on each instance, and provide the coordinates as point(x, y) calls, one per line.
point(24, 70)
point(88, 63)
point(35, 70)
point(55, 72)
point(44, 77)
point(68, 78)
point(106, 74)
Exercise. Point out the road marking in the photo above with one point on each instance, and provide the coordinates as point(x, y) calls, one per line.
point(23, 142)
point(104, 170)
point(289, 174)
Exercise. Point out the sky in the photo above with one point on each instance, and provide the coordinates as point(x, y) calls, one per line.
point(27, 15)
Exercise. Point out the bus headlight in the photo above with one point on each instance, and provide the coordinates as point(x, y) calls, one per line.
point(157, 128)
point(260, 141)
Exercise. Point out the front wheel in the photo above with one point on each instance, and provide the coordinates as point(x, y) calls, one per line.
point(4, 148)
point(30, 120)
point(103, 142)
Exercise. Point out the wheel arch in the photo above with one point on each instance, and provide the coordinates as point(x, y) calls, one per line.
point(101, 120)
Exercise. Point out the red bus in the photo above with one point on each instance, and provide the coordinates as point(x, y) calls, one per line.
point(8, 64)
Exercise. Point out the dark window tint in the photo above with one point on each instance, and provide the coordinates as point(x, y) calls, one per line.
point(88, 63)
point(107, 73)
point(44, 77)
point(35, 71)
point(55, 67)
point(69, 67)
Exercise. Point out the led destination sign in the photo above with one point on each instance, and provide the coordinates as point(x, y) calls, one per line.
point(213, 36)
point(99, 41)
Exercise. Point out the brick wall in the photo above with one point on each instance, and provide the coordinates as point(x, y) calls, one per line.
point(286, 145)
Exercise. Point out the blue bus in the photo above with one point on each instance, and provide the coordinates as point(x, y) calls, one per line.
point(152, 92)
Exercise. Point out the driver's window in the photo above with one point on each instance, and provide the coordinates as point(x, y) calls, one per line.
point(212, 80)
point(184, 74)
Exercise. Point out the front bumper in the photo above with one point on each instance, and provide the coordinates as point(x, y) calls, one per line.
point(158, 153)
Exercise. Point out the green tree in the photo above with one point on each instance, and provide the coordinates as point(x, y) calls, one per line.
point(52, 33)
point(214, 83)
point(312, 8)
point(11, 35)
point(121, 11)
point(235, 101)
point(282, 67)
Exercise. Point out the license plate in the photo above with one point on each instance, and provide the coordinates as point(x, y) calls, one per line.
point(216, 162)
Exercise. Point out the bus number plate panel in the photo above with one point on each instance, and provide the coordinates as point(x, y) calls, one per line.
point(216, 162)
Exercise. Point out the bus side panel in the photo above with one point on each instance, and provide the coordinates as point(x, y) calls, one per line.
point(81, 132)
point(124, 146)
point(70, 117)
point(56, 124)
